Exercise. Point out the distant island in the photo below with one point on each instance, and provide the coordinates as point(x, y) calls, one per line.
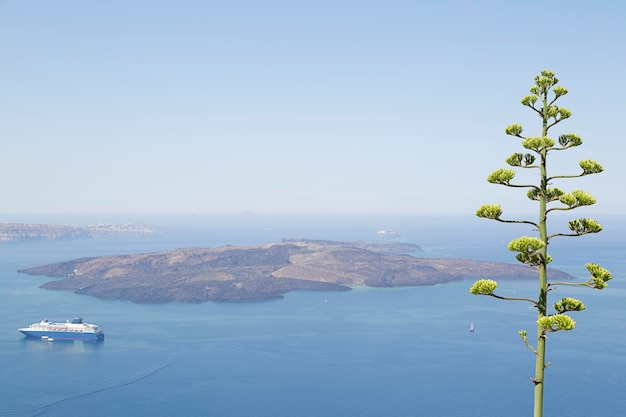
point(246, 273)
point(11, 232)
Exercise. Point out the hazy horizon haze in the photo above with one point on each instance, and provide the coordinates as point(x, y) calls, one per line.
point(156, 107)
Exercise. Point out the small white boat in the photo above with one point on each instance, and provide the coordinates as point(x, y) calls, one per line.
point(387, 233)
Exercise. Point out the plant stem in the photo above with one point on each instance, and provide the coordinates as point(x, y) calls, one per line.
point(540, 363)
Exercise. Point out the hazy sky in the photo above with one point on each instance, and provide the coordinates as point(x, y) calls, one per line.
point(147, 106)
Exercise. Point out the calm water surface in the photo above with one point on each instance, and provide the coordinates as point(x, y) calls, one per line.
point(368, 352)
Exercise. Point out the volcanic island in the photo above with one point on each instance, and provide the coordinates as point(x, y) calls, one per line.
point(247, 273)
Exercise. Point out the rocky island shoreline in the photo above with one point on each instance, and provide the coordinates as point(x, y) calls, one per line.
point(247, 273)
point(13, 232)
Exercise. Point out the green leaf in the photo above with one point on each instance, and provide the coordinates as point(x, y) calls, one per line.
point(484, 287)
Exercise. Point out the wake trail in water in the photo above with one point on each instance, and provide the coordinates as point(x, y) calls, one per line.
point(45, 408)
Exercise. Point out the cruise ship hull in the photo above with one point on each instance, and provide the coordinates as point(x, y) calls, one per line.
point(60, 335)
point(74, 330)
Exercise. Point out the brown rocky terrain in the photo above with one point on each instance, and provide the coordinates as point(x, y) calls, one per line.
point(235, 273)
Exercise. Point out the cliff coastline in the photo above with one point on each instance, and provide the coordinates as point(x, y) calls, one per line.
point(13, 232)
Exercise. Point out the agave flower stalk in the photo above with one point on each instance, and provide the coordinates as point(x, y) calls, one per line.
point(533, 251)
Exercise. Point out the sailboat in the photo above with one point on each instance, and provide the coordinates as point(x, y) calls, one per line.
point(472, 327)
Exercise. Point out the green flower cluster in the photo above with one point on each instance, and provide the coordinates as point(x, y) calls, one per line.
point(528, 250)
point(556, 322)
point(599, 276)
point(484, 287)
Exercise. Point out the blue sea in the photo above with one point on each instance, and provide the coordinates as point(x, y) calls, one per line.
point(370, 352)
